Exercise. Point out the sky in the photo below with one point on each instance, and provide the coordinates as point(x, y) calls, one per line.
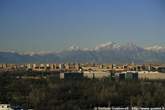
point(51, 25)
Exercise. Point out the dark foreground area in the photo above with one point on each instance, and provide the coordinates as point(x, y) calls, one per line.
point(42, 92)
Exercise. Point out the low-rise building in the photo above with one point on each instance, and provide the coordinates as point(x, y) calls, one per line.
point(161, 69)
point(5, 107)
point(151, 75)
point(96, 74)
point(131, 75)
point(71, 75)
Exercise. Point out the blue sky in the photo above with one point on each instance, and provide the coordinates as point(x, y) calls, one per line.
point(50, 25)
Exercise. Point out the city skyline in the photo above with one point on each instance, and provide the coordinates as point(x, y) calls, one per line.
point(58, 24)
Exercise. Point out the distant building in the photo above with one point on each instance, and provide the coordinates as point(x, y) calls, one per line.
point(161, 69)
point(151, 75)
point(127, 76)
point(1, 66)
point(39, 67)
point(131, 75)
point(96, 74)
point(5, 107)
point(71, 75)
point(129, 108)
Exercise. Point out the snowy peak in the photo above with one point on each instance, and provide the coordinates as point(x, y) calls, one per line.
point(74, 48)
point(112, 53)
point(116, 46)
point(8, 51)
point(40, 53)
point(156, 48)
point(106, 46)
point(131, 47)
point(110, 46)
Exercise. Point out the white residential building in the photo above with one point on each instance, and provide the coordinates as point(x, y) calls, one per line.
point(5, 107)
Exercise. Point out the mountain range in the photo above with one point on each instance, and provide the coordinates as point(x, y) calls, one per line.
point(110, 52)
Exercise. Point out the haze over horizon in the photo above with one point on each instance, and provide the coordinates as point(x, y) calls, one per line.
point(54, 25)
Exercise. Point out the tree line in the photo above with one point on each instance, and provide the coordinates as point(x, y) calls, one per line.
point(79, 94)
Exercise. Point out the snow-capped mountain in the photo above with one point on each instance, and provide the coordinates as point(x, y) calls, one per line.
point(156, 48)
point(74, 48)
point(106, 46)
point(110, 52)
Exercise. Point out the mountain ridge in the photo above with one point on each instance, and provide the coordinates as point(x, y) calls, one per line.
point(110, 52)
